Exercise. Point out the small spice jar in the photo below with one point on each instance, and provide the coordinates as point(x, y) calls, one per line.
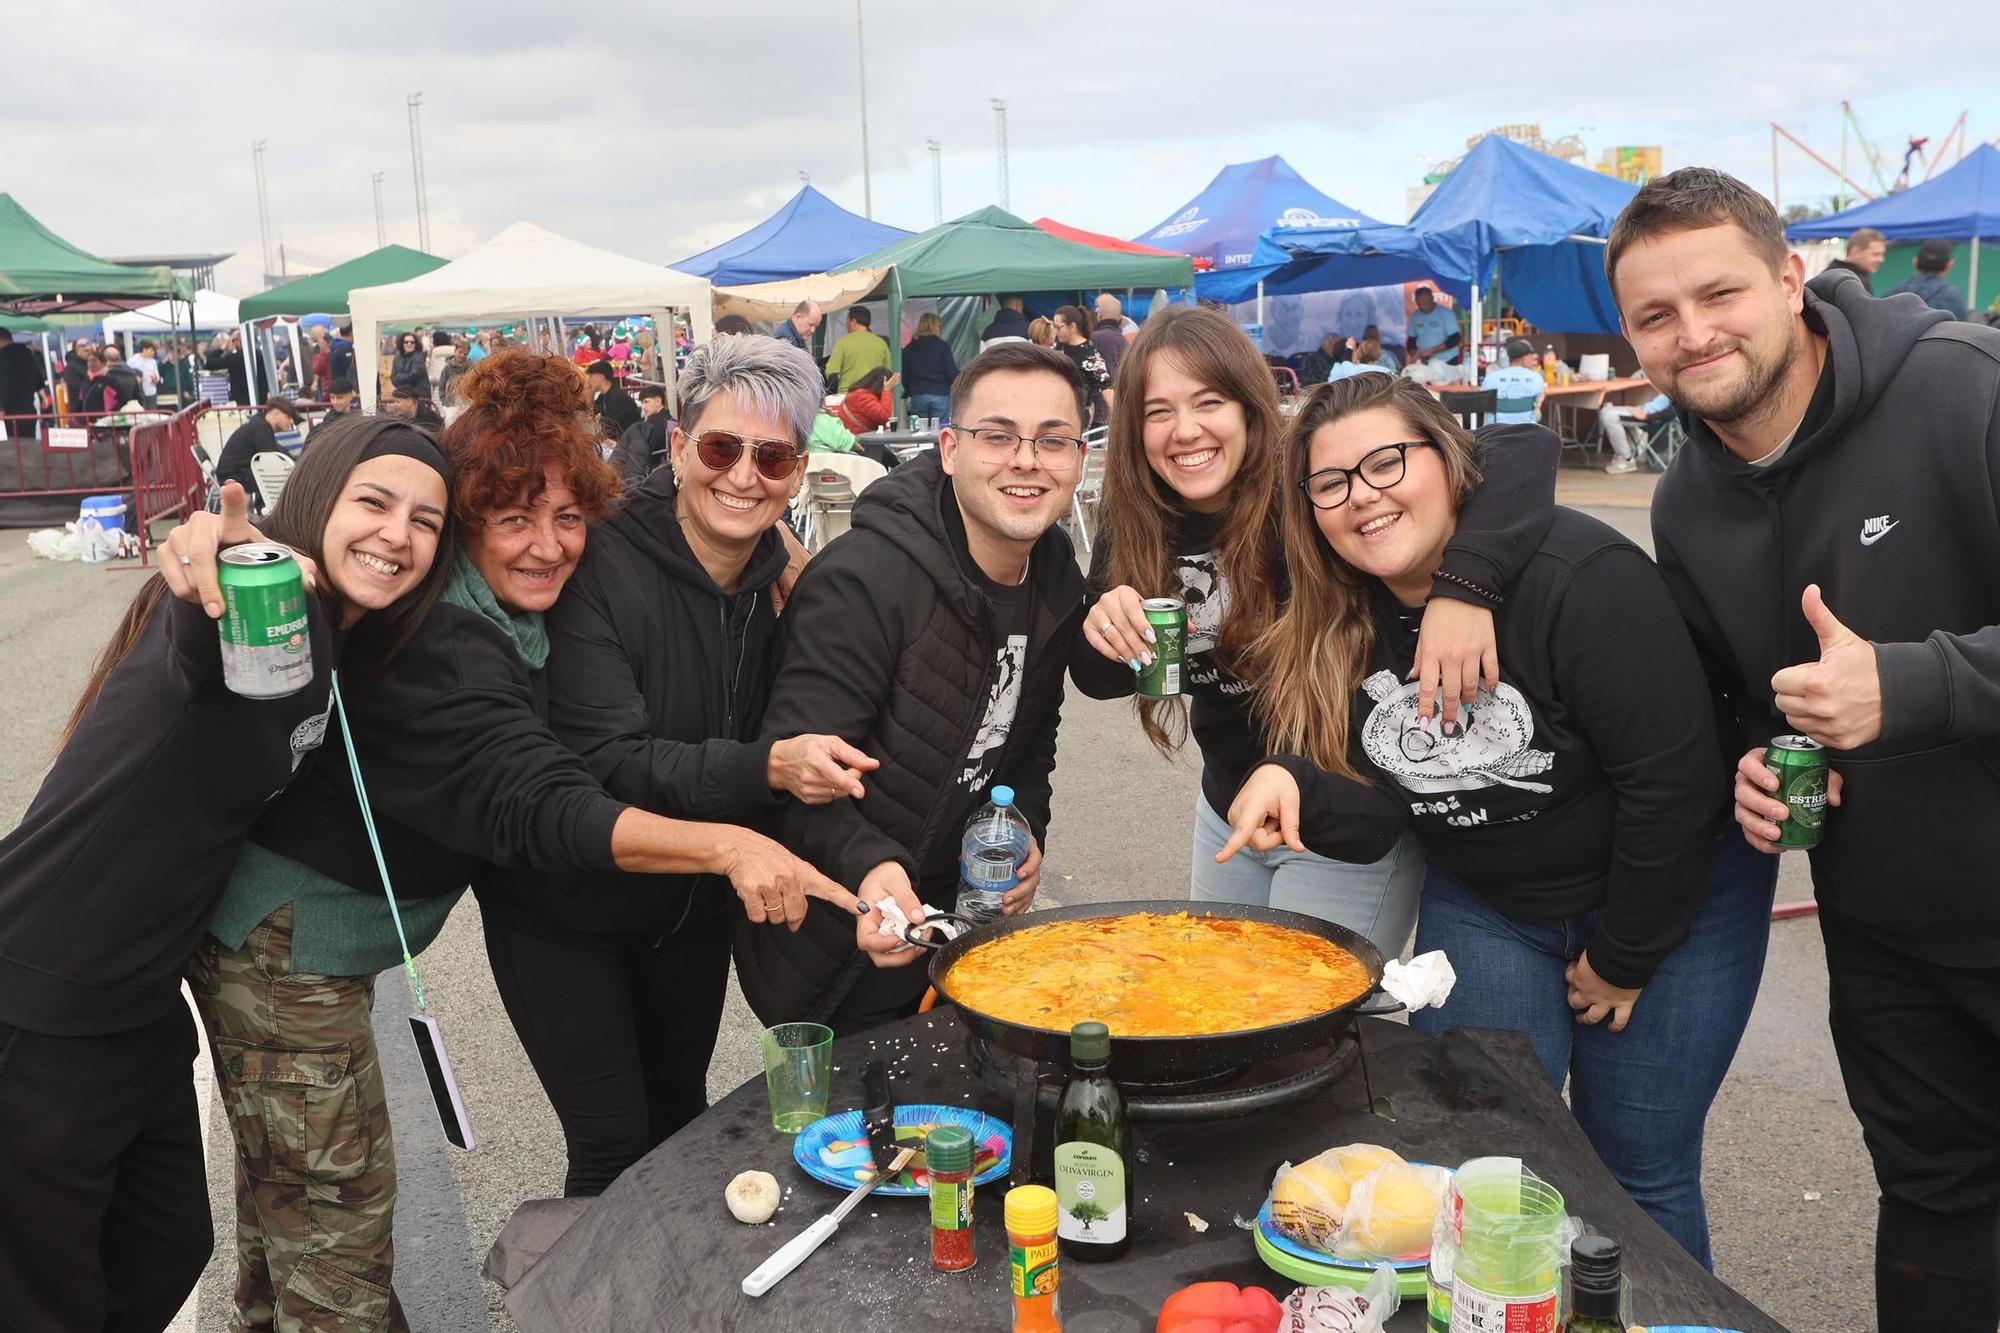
point(948, 1151)
point(1034, 1271)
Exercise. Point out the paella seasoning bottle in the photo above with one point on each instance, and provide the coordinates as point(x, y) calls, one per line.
point(948, 1152)
point(1093, 1153)
point(1033, 1271)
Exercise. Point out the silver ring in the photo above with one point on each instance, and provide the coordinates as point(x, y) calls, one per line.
point(1103, 626)
point(187, 559)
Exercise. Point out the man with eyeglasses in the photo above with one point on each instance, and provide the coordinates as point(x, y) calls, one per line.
point(933, 636)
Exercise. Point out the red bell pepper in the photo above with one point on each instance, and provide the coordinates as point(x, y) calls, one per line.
point(1219, 1307)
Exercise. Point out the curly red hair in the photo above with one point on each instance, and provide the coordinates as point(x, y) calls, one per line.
point(522, 412)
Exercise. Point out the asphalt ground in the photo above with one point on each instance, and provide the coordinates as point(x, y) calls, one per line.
point(1789, 1192)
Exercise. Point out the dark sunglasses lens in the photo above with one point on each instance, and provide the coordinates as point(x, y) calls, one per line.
point(775, 461)
point(719, 450)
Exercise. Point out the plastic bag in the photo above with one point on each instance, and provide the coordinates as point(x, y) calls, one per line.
point(1309, 1201)
point(52, 544)
point(1342, 1309)
point(1391, 1212)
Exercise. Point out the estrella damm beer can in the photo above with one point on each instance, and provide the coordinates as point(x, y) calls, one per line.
point(1799, 763)
point(1166, 676)
point(266, 632)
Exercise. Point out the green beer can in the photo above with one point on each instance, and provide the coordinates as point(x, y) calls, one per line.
point(1800, 766)
point(1167, 616)
point(266, 634)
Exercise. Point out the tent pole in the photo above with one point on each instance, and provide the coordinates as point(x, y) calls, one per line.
point(900, 400)
point(1972, 280)
point(249, 332)
point(1472, 359)
point(1260, 314)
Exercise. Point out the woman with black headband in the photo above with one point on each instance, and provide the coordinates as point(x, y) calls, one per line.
point(114, 870)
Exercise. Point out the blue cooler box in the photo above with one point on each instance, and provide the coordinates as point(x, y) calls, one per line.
point(108, 510)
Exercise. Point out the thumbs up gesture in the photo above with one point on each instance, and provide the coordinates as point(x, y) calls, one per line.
point(1837, 700)
point(189, 555)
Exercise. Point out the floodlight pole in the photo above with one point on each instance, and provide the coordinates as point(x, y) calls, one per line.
point(263, 212)
point(999, 105)
point(381, 232)
point(415, 102)
point(937, 179)
point(861, 54)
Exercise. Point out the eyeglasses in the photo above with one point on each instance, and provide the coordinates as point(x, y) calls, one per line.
point(1054, 452)
point(719, 450)
point(1381, 468)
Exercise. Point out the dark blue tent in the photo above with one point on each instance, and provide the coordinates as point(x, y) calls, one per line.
point(1221, 224)
point(1961, 205)
point(1536, 220)
point(810, 234)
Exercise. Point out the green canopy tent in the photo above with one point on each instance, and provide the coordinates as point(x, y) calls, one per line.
point(989, 251)
point(325, 293)
point(40, 272)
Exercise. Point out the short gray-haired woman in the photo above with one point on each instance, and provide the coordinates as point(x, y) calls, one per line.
point(660, 662)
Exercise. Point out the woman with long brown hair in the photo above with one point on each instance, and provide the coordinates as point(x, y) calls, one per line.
point(112, 873)
point(1584, 876)
point(1189, 511)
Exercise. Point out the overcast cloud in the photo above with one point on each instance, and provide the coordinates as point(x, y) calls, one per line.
point(657, 130)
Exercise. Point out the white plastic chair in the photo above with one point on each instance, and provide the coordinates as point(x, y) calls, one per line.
point(271, 470)
point(1089, 488)
point(211, 491)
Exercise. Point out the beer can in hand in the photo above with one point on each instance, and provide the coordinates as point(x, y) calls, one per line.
point(1799, 763)
point(266, 632)
point(1166, 676)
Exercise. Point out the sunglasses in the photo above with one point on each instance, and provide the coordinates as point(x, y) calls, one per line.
point(719, 449)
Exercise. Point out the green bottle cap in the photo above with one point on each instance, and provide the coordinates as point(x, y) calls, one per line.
point(1090, 1041)
point(949, 1148)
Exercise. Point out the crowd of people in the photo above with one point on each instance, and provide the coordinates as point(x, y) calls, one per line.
point(616, 702)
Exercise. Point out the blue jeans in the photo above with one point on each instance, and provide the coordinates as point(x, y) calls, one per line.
point(1641, 1095)
point(931, 405)
point(1378, 900)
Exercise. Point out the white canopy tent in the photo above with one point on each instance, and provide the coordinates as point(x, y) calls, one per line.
point(527, 272)
point(212, 311)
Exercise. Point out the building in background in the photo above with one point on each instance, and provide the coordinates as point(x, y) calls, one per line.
point(1633, 164)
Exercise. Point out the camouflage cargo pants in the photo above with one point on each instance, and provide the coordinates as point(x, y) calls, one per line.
point(315, 1165)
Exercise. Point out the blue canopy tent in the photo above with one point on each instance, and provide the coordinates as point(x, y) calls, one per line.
point(1547, 217)
point(1962, 204)
point(810, 234)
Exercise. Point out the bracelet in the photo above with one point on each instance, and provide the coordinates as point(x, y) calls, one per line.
point(1486, 594)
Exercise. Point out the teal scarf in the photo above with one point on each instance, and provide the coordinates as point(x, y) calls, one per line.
point(525, 631)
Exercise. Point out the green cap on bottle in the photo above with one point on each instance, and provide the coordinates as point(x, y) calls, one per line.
point(1090, 1041)
point(949, 1148)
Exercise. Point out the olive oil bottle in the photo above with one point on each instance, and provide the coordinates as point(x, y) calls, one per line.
point(1093, 1153)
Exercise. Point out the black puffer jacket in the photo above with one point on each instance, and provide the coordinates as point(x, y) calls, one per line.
point(658, 679)
point(890, 643)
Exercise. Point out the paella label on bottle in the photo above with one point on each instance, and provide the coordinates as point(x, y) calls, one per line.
point(1090, 1193)
point(1032, 1270)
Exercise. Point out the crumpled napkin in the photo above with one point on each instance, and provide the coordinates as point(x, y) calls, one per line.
point(1421, 983)
point(894, 921)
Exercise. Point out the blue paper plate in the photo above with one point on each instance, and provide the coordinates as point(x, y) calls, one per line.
point(834, 1135)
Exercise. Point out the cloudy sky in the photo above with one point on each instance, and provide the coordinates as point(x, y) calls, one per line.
point(658, 129)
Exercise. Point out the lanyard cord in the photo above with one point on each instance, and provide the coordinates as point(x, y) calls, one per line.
point(375, 842)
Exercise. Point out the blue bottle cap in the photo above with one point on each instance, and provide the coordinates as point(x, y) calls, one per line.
point(1003, 796)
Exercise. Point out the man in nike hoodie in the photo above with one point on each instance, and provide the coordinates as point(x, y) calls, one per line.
point(1832, 535)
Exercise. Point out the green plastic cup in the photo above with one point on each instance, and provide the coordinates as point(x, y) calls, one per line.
point(1509, 1241)
point(798, 1073)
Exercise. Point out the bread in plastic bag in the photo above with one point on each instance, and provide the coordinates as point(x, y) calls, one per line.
point(1309, 1201)
point(1390, 1213)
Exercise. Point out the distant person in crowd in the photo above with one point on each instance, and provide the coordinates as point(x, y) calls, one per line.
point(1866, 249)
point(1319, 362)
point(733, 326)
point(125, 385)
point(1072, 329)
point(1434, 337)
point(1928, 284)
point(1112, 311)
point(1010, 323)
point(953, 572)
point(643, 446)
point(22, 380)
point(928, 370)
point(1370, 358)
point(225, 357)
point(1389, 359)
point(857, 352)
point(800, 327)
point(418, 408)
point(320, 363)
point(1618, 421)
point(409, 369)
point(342, 400)
point(147, 366)
point(442, 346)
point(1518, 380)
point(646, 355)
point(1041, 332)
point(481, 346)
point(340, 355)
point(257, 435)
point(588, 350)
point(619, 352)
point(616, 412)
point(76, 373)
point(95, 395)
point(1108, 332)
point(870, 404)
point(455, 366)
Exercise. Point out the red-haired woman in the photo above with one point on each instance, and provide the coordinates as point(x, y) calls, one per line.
point(463, 775)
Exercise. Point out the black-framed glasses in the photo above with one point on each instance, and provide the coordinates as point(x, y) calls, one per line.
point(1054, 452)
point(1381, 468)
point(775, 459)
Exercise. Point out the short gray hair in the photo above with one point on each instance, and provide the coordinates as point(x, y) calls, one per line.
point(763, 374)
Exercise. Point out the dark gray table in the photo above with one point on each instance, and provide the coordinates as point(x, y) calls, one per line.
point(660, 1250)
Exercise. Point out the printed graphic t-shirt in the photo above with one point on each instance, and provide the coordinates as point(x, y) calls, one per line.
point(1011, 613)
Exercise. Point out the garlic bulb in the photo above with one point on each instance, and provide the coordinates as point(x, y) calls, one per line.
point(752, 1196)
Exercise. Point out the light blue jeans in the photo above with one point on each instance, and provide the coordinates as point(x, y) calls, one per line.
point(1378, 900)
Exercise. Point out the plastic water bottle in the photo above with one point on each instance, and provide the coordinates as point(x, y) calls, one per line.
point(989, 863)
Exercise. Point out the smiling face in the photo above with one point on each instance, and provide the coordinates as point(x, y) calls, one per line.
point(527, 551)
point(1010, 497)
point(1397, 534)
point(383, 532)
point(725, 513)
point(1713, 326)
point(407, 343)
point(1195, 437)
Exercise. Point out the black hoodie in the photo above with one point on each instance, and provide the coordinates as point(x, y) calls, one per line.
point(1889, 499)
point(890, 643)
point(658, 678)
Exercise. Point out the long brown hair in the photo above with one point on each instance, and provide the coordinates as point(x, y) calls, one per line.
point(1310, 659)
point(1141, 513)
point(299, 521)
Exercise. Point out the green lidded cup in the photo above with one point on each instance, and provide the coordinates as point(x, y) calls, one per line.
point(1509, 1236)
point(798, 1073)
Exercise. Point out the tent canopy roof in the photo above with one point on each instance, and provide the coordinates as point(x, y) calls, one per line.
point(1962, 203)
point(1223, 222)
point(326, 292)
point(1097, 240)
point(809, 234)
point(990, 250)
point(212, 310)
point(36, 264)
